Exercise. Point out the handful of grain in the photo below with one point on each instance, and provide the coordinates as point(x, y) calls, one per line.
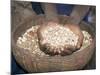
point(57, 39)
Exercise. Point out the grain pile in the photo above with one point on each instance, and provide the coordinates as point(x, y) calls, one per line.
point(29, 40)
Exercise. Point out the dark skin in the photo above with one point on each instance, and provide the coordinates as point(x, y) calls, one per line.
point(69, 49)
point(52, 16)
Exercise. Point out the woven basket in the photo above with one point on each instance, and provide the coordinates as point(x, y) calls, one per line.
point(75, 61)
